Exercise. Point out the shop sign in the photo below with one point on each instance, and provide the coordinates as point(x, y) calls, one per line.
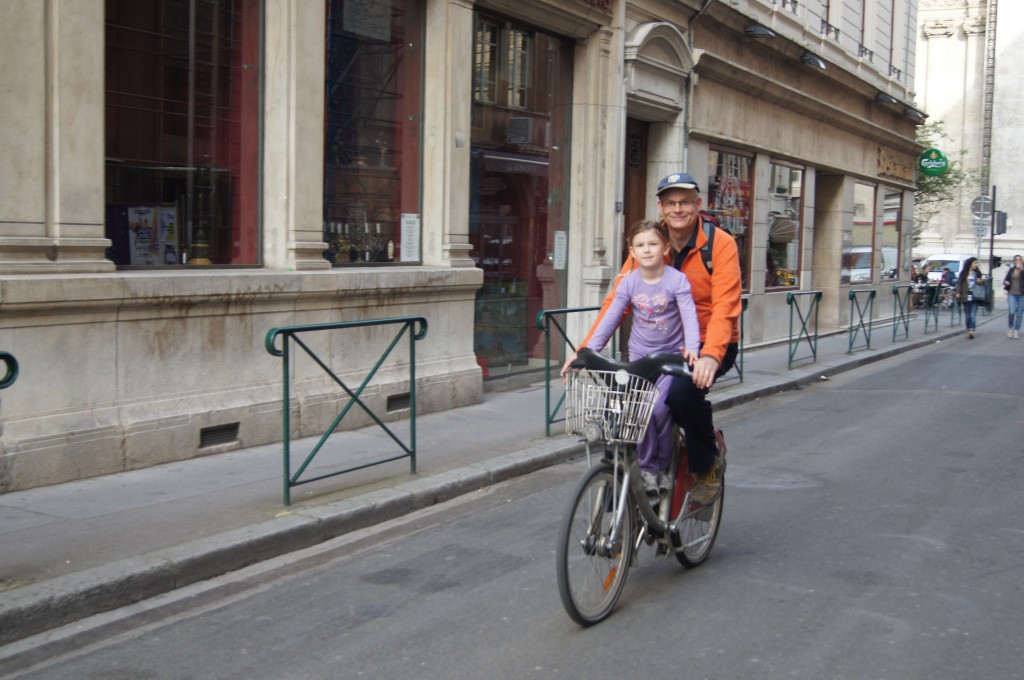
point(933, 163)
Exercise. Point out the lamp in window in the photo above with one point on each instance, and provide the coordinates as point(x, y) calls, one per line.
point(782, 228)
point(883, 98)
point(813, 60)
point(758, 31)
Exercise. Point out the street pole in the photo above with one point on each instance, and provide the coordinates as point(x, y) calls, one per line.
point(991, 244)
point(992, 231)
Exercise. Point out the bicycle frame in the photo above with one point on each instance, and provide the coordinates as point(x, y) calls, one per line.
point(661, 524)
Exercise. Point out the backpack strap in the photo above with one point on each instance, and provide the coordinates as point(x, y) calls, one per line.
point(709, 232)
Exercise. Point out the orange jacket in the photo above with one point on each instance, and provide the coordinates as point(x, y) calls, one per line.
point(718, 296)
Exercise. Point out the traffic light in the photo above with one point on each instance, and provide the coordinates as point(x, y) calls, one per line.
point(996, 261)
point(1000, 222)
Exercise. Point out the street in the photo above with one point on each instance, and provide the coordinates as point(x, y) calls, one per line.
point(873, 528)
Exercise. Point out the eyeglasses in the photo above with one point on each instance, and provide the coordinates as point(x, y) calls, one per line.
point(673, 205)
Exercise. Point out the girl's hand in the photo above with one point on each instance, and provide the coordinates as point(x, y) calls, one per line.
point(690, 356)
point(565, 367)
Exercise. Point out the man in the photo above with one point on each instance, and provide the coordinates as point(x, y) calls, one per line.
point(716, 294)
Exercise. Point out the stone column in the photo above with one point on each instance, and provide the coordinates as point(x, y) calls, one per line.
point(447, 102)
point(293, 109)
point(51, 179)
point(598, 123)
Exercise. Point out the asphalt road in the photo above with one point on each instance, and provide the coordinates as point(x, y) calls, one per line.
point(873, 528)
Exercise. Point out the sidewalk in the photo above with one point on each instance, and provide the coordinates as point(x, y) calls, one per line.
point(73, 550)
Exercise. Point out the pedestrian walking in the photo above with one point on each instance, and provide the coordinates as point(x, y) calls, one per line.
point(970, 290)
point(1013, 284)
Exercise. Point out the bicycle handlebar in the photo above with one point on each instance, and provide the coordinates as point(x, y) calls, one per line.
point(648, 367)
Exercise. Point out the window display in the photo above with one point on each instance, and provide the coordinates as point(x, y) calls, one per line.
point(782, 265)
point(182, 115)
point(729, 200)
point(371, 122)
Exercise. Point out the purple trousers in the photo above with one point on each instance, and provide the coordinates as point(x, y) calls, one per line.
point(654, 452)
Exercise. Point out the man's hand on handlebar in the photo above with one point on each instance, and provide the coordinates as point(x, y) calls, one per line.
point(703, 372)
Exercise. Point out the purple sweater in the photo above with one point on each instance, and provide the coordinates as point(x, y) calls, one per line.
point(664, 316)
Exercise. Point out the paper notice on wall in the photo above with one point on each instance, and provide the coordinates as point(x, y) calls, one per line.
point(409, 248)
point(143, 237)
point(561, 249)
point(169, 234)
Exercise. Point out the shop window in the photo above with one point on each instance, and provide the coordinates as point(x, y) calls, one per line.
point(522, 80)
point(892, 230)
point(372, 136)
point(782, 266)
point(182, 120)
point(729, 200)
point(859, 238)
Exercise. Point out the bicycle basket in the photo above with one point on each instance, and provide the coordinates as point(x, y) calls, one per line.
point(614, 404)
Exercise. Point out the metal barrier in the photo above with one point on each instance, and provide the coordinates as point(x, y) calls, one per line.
point(545, 319)
point(955, 313)
point(812, 341)
point(11, 370)
point(901, 301)
point(858, 305)
point(290, 334)
point(933, 302)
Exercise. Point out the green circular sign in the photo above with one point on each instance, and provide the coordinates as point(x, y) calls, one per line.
point(933, 163)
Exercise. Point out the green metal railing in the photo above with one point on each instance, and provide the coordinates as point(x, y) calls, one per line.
point(901, 297)
point(545, 320)
point(414, 326)
point(932, 306)
point(10, 370)
point(804, 316)
point(862, 308)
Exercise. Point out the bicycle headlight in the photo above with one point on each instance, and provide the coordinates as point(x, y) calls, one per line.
point(593, 431)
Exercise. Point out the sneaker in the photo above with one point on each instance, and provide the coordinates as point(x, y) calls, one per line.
point(1016, 335)
point(1009, 333)
point(709, 483)
point(650, 480)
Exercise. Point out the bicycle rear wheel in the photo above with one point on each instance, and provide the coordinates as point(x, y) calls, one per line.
point(696, 534)
point(591, 565)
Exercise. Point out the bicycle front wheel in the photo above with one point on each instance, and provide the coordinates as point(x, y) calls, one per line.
point(593, 554)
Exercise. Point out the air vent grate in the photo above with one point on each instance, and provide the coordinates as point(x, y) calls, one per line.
point(218, 434)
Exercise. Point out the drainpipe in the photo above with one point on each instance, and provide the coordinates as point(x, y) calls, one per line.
point(689, 85)
point(988, 96)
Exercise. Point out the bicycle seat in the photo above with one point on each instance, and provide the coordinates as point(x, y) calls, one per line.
point(648, 367)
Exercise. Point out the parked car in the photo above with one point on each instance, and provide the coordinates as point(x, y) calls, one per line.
point(936, 263)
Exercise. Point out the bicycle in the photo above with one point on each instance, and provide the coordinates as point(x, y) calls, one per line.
point(609, 516)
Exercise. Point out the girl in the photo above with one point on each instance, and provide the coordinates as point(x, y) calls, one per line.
point(970, 277)
point(664, 320)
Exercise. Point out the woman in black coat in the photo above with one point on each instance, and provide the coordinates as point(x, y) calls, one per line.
point(970, 279)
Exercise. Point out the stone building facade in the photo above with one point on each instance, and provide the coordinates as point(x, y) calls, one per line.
point(969, 53)
point(182, 177)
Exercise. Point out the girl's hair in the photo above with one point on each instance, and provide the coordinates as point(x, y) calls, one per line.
point(640, 227)
point(968, 265)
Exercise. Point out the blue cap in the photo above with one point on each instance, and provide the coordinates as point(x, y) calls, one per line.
point(679, 180)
